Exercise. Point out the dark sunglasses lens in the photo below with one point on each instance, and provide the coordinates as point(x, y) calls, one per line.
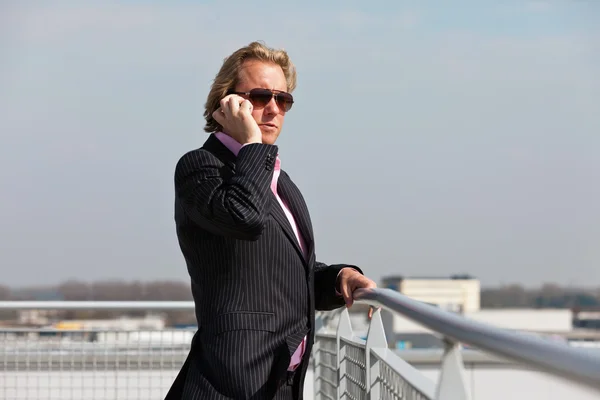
point(285, 101)
point(260, 97)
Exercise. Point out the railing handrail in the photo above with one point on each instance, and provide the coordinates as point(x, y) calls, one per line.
point(554, 358)
point(97, 305)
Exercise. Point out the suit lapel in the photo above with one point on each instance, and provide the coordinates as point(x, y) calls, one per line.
point(282, 220)
point(293, 198)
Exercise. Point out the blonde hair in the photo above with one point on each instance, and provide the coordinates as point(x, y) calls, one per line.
point(228, 76)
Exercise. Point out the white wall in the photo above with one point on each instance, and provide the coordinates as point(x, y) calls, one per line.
point(559, 321)
point(444, 292)
point(501, 383)
point(539, 320)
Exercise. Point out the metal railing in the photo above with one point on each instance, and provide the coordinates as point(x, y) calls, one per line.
point(349, 367)
point(141, 364)
point(47, 363)
point(98, 305)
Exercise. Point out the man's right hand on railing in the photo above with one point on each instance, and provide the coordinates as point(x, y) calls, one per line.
point(349, 280)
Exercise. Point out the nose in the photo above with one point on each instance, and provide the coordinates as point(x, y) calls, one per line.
point(271, 108)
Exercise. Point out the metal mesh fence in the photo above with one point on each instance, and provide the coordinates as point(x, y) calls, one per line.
point(325, 364)
point(100, 365)
point(346, 367)
point(136, 365)
point(353, 364)
point(394, 387)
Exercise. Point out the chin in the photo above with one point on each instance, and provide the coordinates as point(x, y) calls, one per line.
point(269, 137)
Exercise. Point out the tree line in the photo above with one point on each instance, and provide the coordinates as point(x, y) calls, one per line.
point(506, 296)
point(113, 290)
point(102, 291)
point(546, 296)
point(513, 295)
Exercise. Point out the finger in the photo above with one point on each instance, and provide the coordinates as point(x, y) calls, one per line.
point(225, 107)
point(246, 106)
point(366, 283)
point(234, 104)
point(347, 293)
point(371, 312)
point(219, 116)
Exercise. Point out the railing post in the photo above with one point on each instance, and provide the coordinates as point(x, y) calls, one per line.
point(375, 339)
point(317, 364)
point(344, 330)
point(316, 354)
point(319, 321)
point(451, 384)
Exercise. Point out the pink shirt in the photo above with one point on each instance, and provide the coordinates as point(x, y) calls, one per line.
point(235, 147)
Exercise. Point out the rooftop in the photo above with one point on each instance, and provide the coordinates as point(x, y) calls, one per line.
point(451, 277)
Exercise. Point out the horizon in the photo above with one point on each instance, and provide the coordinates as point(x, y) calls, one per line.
point(500, 285)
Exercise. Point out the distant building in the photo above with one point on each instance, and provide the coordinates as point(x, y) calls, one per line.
point(35, 317)
point(459, 293)
point(587, 317)
point(555, 320)
point(148, 322)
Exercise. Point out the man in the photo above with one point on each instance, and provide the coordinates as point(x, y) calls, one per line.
point(246, 235)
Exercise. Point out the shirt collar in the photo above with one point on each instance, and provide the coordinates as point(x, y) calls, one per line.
point(234, 146)
point(229, 142)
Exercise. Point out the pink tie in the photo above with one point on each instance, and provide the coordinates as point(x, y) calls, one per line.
point(297, 356)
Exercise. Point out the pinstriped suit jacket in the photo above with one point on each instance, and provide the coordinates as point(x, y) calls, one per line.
point(255, 292)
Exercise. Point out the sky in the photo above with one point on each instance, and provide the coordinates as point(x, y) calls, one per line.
point(427, 139)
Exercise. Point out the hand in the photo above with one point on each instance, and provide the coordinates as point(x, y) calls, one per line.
point(235, 116)
point(349, 280)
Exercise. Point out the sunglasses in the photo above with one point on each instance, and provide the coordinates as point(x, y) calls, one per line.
point(262, 97)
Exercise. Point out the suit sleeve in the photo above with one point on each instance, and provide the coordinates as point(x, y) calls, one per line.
point(326, 296)
point(225, 205)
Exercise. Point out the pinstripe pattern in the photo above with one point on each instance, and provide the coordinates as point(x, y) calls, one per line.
point(254, 291)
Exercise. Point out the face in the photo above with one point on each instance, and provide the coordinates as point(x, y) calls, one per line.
point(259, 75)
